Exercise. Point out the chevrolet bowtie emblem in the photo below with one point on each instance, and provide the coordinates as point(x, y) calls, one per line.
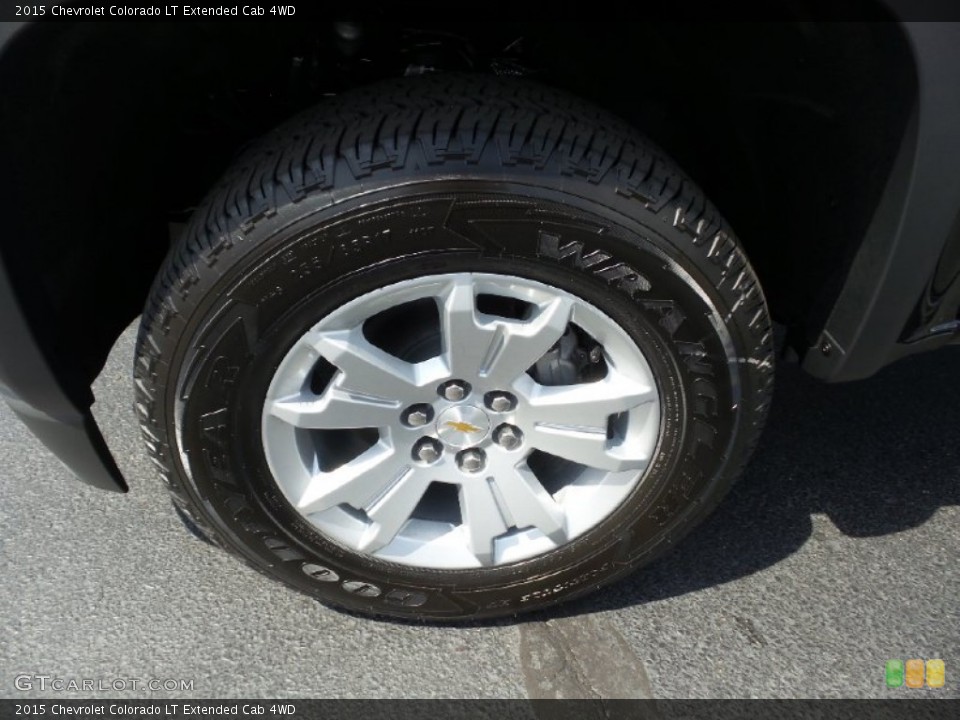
point(463, 427)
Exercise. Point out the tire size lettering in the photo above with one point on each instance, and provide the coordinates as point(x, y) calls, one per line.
point(566, 584)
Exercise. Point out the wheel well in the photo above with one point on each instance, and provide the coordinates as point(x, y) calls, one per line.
point(112, 132)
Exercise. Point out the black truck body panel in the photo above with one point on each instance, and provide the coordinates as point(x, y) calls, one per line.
point(901, 293)
point(34, 392)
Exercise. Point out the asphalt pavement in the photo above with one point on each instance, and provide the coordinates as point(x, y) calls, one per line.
point(836, 552)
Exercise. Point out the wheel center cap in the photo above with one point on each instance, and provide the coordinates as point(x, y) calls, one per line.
point(462, 426)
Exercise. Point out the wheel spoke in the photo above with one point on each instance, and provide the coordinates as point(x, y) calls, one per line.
point(482, 518)
point(465, 341)
point(392, 509)
point(570, 421)
point(335, 409)
point(530, 504)
point(497, 349)
point(584, 445)
point(367, 370)
point(357, 483)
point(525, 342)
point(587, 405)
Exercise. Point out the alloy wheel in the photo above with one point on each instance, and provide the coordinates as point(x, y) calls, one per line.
point(460, 421)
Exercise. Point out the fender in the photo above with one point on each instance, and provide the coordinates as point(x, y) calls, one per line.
point(914, 236)
point(34, 391)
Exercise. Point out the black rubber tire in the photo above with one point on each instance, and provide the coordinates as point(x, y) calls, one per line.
point(384, 183)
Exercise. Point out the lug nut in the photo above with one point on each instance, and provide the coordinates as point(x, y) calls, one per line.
point(417, 415)
point(427, 450)
point(455, 390)
point(501, 402)
point(508, 437)
point(471, 460)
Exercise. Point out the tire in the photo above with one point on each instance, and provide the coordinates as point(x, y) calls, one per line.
point(452, 178)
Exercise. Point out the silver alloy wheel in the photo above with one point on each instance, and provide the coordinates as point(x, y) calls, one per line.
point(532, 466)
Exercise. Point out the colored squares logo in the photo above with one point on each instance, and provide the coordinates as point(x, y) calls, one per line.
point(894, 673)
point(914, 673)
point(936, 673)
point(897, 673)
